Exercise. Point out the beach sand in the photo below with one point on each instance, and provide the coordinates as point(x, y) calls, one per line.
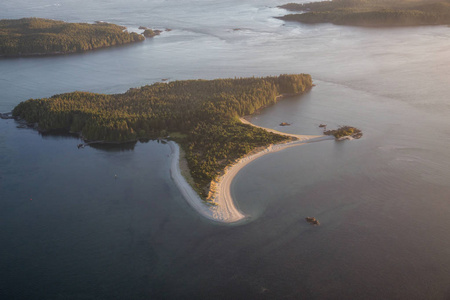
point(225, 210)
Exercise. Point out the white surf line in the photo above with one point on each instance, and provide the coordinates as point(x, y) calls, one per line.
point(225, 210)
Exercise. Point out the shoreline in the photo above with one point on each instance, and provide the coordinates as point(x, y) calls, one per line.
point(225, 210)
point(62, 53)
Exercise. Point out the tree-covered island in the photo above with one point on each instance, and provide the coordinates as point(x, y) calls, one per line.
point(35, 36)
point(202, 116)
point(372, 12)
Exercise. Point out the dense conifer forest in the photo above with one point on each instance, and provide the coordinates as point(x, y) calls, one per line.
point(202, 116)
point(372, 12)
point(34, 36)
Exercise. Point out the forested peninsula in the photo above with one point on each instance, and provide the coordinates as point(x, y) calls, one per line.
point(201, 115)
point(35, 36)
point(372, 13)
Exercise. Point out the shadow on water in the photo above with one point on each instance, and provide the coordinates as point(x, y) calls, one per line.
point(119, 147)
point(114, 147)
point(58, 135)
point(109, 147)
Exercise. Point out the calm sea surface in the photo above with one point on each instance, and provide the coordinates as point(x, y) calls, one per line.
point(70, 230)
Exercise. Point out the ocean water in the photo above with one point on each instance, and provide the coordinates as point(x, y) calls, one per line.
point(69, 229)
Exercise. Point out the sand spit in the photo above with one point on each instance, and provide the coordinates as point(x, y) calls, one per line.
point(226, 211)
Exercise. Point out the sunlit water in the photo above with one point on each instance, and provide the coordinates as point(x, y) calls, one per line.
point(70, 230)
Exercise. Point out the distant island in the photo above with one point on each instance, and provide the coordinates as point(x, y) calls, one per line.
point(371, 13)
point(35, 36)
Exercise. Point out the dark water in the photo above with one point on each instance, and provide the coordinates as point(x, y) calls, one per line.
point(70, 230)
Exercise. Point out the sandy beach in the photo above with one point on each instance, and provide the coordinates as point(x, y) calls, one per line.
point(226, 211)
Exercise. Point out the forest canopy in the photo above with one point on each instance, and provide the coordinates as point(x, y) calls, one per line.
point(203, 114)
point(372, 12)
point(34, 36)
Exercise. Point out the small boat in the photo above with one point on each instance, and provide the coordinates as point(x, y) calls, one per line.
point(312, 221)
point(284, 124)
point(323, 125)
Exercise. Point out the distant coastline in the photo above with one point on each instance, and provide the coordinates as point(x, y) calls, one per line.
point(45, 37)
point(380, 13)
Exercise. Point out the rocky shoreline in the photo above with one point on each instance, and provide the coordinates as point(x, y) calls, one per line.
point(22, 122)
point(6, 116)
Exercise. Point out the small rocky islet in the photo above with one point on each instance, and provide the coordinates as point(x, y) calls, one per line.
point(344, 132)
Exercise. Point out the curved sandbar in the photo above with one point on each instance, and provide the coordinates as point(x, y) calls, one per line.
point(225, 211)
